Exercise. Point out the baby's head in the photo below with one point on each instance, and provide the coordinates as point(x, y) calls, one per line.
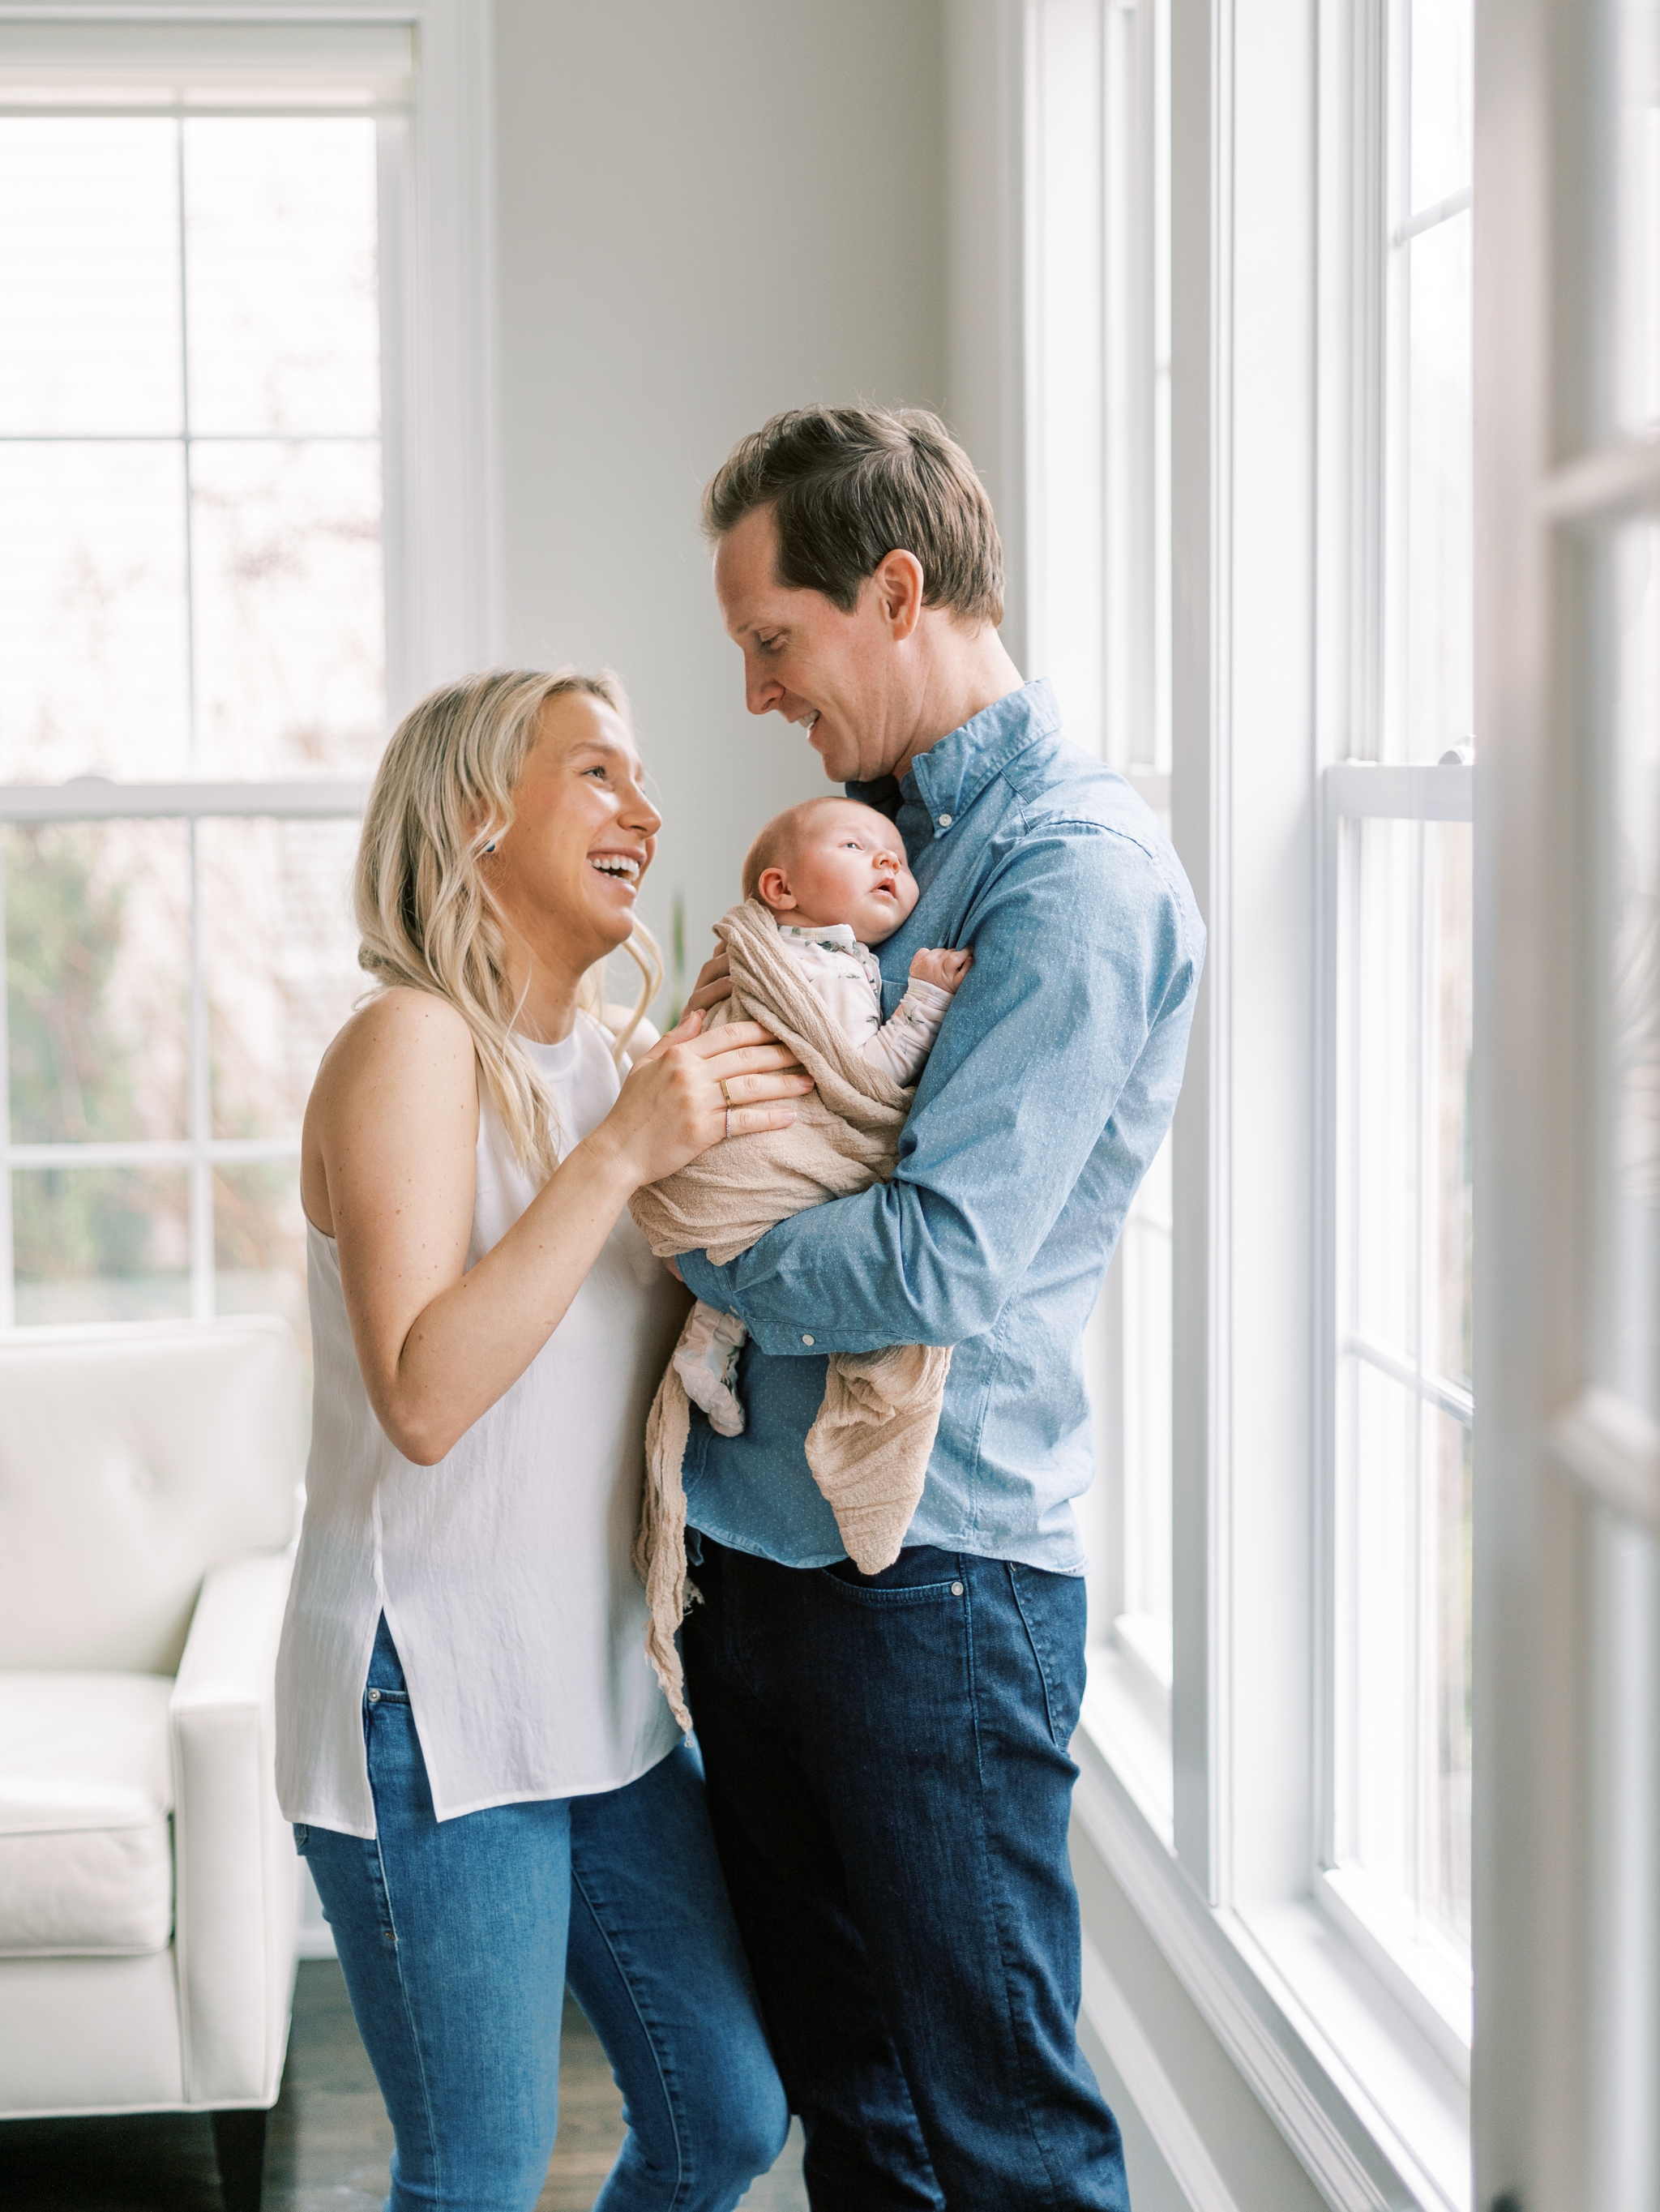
point(830, 861)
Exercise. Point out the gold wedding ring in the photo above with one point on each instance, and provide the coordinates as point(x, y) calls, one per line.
point(725, 1093)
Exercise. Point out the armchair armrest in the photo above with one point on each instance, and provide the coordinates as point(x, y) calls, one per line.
point(236, 1868)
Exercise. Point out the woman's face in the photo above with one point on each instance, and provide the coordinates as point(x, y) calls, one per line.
point(567, 871)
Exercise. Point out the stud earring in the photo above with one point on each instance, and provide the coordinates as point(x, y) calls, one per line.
point(490, 847)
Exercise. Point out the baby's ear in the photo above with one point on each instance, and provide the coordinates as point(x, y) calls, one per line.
point(774, 890)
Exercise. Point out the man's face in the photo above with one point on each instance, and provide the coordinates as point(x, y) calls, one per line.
point(837, 676)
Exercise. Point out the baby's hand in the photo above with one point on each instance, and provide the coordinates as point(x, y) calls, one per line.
point(946, 970)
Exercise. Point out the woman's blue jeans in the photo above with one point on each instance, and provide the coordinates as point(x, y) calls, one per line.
point(457, 1939)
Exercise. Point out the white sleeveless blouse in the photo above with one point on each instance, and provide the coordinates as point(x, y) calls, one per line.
point(504, 1570)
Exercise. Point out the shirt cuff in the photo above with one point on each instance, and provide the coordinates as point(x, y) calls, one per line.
point(705, 1280)
point(715, 1287)
point(930, 995)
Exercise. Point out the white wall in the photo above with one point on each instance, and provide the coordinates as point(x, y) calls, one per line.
point(708, 210)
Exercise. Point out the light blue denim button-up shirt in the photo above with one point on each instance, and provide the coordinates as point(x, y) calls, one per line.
point(1046, 1095)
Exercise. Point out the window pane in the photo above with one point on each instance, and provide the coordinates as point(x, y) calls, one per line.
point(1428, 691)
point(259, 1245)
point(290, 628)
point(100, 1243)
point(94, 635)
point(90, 275)
point(1450, 1254)
point(1431, 570)
point(1385, 1015)
point(280, 950)
point(97, 939)
point(1407, 1632)
point(284, 330)
point(1446, 1755)
point(1626, 1340)
point(1409, 1018)
point(1442, 114)
point(1383, 1630)
point(1148, 1397)
point(1403, 1730)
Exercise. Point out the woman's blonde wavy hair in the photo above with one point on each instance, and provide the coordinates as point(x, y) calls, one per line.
point(443, 793)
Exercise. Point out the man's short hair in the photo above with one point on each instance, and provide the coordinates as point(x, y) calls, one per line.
point(849, 486)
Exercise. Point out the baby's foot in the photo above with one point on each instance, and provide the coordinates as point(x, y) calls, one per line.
point(706, 1361)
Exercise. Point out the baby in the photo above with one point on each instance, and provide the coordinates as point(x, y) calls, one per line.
point(833, 875)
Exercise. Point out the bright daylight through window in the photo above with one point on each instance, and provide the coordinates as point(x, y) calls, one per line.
point(191, 593)
point(1400, 855)
point(1131, 1594)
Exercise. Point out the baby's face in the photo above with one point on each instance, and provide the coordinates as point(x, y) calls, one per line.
point(848, 865)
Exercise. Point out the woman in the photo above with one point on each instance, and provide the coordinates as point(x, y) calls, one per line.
point(482, 1772)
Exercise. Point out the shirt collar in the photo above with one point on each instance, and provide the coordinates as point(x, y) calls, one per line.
point(837, 936)
point(947, 779)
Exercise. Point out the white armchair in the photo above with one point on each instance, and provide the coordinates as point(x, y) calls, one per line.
point(148, 1494)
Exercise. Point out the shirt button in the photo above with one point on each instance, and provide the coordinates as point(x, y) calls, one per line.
point(807, 1340)
point(957, 1589)
point(944, 821)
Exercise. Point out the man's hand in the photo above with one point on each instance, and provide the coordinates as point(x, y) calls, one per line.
point(945, 970)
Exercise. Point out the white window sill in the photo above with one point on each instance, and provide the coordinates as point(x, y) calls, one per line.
point(1363, 2095)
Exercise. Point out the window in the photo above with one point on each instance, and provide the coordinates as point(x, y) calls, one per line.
point(1098, 537)
point(1135, 1616)
point(1296, 1841)
point(214, 431)
point(1399, 863)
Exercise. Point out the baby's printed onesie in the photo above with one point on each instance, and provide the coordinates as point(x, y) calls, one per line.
point(846, 976)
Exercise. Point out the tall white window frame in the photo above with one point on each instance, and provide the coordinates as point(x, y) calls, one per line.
point(1269, 493)
point(422, 68)
point(1098, 534)
point(1385, 761)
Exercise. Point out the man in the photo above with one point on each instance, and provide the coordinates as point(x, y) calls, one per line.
point(887, 1755)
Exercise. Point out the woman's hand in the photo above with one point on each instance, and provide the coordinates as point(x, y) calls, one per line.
point(693, 1089)
point(713, 983)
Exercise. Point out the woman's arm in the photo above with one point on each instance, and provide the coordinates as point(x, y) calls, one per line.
point(388, 1170)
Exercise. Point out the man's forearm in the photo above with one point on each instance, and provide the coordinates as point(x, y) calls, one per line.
point(834, 1279)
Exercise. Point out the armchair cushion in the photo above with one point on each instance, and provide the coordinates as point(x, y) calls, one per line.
point(86, 1792)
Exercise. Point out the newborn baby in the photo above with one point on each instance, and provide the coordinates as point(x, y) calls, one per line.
point(833, 875)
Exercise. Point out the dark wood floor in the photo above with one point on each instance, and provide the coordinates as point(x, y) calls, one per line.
point(329, 2142)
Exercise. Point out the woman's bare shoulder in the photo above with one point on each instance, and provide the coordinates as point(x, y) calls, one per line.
point(398, 1023)
point(399, 1078)
point(398, 1031)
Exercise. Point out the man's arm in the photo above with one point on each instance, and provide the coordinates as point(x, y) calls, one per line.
point(1080, 943)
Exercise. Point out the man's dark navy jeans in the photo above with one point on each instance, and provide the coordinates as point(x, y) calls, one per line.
point(889, 1777)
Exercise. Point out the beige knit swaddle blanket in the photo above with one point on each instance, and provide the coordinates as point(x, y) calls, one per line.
point(869, 1447)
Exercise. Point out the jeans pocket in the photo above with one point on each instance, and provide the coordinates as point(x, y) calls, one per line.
point(301, 1837)
point(1045, 1602)
point(888, 1594)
